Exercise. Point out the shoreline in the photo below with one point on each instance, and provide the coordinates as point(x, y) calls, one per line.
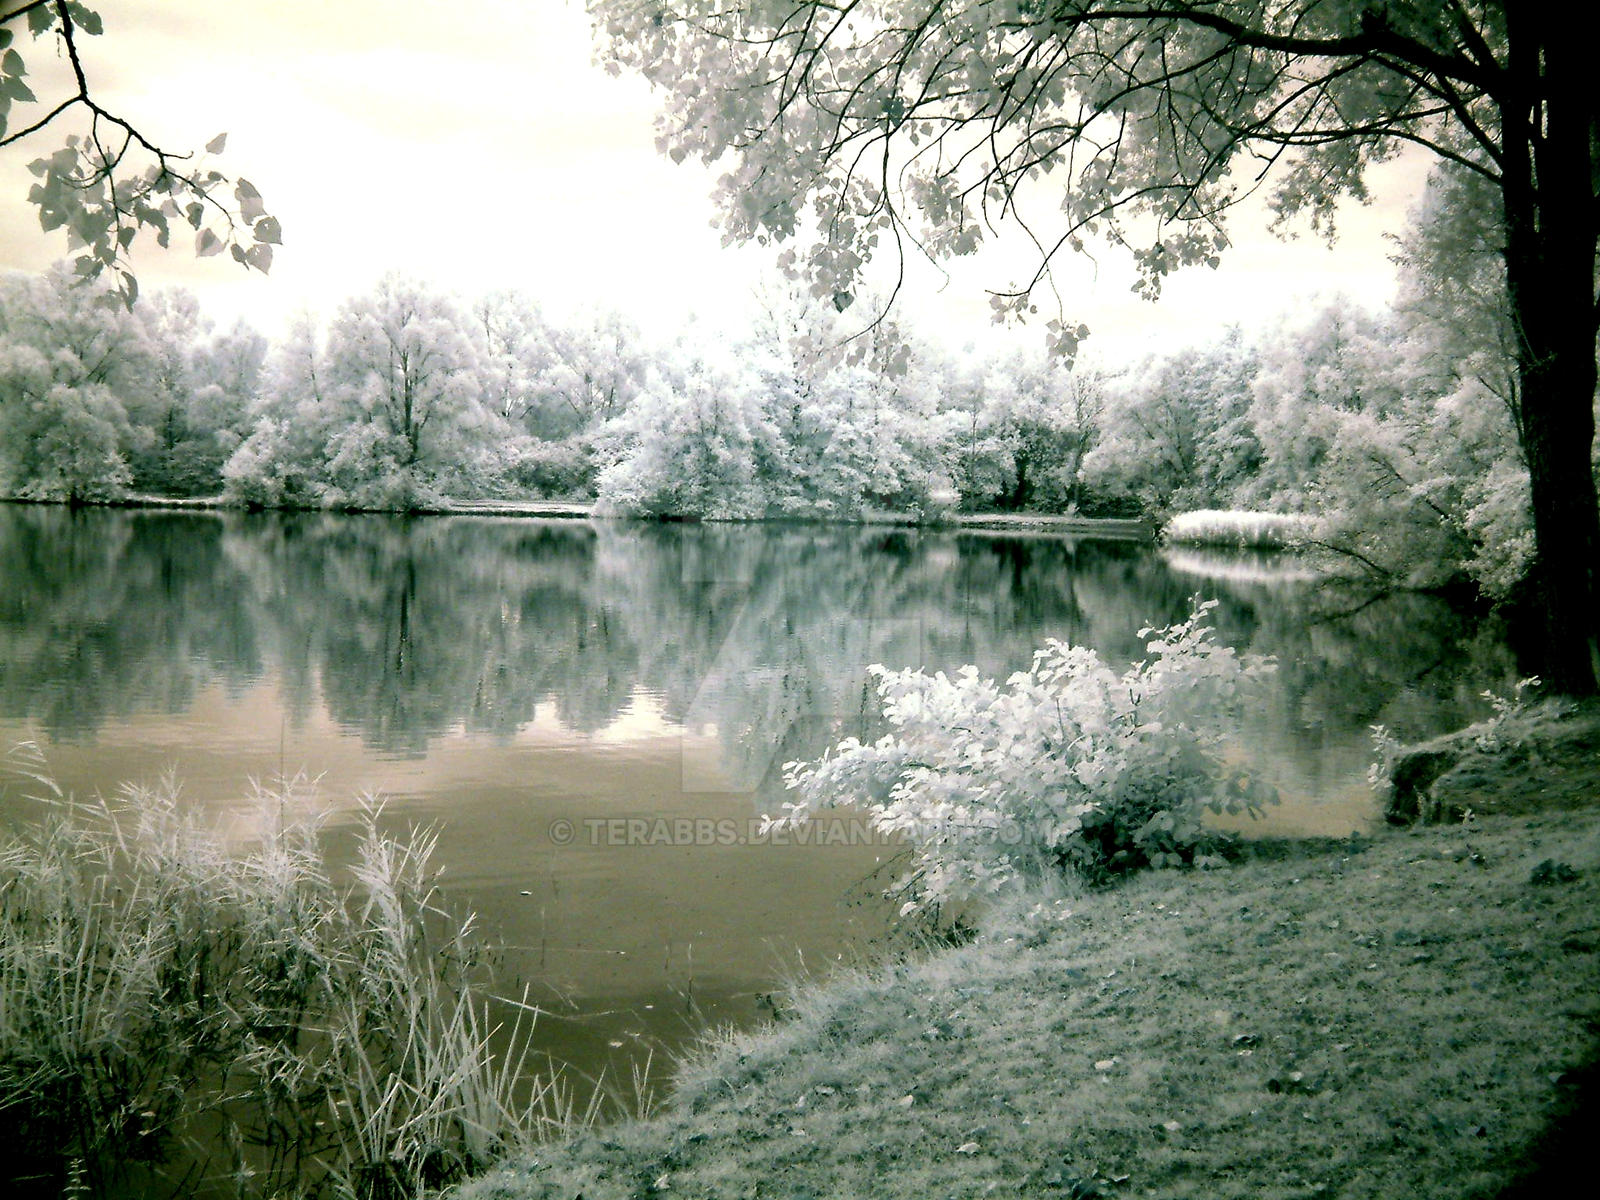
point(1404, 1014)
point(1019, 524)
point(1414, 1012)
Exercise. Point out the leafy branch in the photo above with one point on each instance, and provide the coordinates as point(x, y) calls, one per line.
point(88, 187)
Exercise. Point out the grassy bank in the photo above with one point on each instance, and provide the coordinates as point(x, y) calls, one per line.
point(1398, 1016)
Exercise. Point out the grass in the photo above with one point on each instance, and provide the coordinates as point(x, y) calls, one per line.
point(1244, 530)
point(1400, 1016)
point(179, 1016)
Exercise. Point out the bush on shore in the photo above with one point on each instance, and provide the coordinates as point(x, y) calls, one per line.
point(1070, 768)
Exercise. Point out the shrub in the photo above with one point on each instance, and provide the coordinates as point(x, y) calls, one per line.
point(1068, 768)
point(561, 470)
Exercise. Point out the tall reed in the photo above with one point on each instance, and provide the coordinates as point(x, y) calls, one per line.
point(181, 1015)
point(1246, 530)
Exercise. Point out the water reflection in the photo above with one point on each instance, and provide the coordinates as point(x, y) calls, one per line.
point(407, 632)
point(503, 674)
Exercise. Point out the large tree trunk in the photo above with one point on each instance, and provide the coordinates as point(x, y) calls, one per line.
point(1558, 383)
point(1551, 223)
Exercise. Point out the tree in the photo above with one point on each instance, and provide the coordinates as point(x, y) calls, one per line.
point(927, 123)
point(173, 457)
point(67, 361)
point(701, 445)
point(554, 385)
point(1028, 425)
point(94, 187)
point(1461, 338)
point(404, 372)
point(228, 376)
point(1337, 359)
point(282, 459)
point(853, 411)
point(1180, 434)
point(593, 369)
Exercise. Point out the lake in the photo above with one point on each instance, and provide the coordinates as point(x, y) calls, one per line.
point(595, 713)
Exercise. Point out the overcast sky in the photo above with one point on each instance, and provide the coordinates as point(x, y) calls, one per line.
point(474, 143)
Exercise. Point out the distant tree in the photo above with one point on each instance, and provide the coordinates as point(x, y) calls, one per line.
point(554, 384)
point(282, 460)
point(66, 363)
point(67, 443)
point(1460, 342)
point(174, 457)
point(228, 373)
point(402, 373)
point(1178, 433)
point(509, 329)
point(94, 185)
point(1339, 358)
point(1419, 471)
point(1049, 422)
point(702, 444)
point(853, 411)
point(1028, 421)
point(910, 122)
point(593, 368)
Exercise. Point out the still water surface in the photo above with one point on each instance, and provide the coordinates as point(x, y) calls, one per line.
point(595, 713)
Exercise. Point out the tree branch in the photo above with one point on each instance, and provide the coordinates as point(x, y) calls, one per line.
point(1376, 38)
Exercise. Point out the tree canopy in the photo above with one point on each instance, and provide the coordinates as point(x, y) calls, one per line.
point(856, 125)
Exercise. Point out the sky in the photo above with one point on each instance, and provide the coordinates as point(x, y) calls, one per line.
point(474, 144)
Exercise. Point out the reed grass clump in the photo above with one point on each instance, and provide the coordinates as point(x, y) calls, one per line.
point(181, 1016)
point(1244, 530)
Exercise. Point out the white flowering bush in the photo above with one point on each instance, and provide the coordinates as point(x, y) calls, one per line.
point(1068, 768)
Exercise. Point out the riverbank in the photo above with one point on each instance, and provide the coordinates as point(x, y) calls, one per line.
point(1404, 1015)
point(999, 523)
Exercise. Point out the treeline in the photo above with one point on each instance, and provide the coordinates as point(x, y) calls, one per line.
point(1397, 430)
point(410, 397)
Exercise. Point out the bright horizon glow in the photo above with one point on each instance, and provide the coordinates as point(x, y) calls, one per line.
point(477, 147)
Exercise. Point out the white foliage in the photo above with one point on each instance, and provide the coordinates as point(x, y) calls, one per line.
point(1067, 766)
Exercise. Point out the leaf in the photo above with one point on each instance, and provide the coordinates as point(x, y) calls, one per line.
point(207, 244)
point(215, 145)
point(250, 206)
point(41, 18)
point(267, 229)
point(86, 19)
point(11, 63)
